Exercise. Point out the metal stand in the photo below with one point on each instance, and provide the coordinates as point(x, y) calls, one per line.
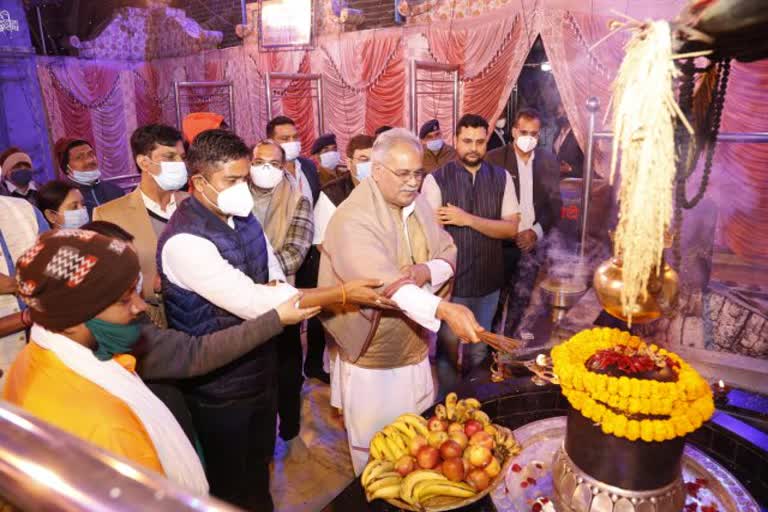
point(417, 66)
point(316, 94)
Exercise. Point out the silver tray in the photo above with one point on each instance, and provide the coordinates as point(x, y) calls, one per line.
point(540, 439)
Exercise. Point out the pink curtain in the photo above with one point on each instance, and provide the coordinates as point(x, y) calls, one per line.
point(743, 168)
point(490, 53)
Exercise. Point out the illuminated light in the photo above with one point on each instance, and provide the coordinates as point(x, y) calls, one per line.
point(546, 66)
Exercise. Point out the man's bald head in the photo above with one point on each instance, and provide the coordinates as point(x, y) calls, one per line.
point(397, 166)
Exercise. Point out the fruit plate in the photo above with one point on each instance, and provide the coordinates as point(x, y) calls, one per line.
point(442, 503)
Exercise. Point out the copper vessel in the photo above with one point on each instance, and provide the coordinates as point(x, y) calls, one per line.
point(663, 289)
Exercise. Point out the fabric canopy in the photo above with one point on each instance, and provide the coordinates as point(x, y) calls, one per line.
point(365, 81)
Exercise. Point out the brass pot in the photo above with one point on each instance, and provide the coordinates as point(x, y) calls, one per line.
point(663, 289)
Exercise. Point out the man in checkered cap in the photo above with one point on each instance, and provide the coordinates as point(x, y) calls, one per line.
point(83, 294)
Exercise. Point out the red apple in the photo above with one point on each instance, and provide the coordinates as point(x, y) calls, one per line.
point(435, 424)
point(416, 444)
point(436, 439)
point(478, 479)
point(455, 427)
point(438, 468)
point(481, 439)
point(459, 437)
point(453, 469)
point(479, 456)
point(493, 468)
point(405, 465)
point(428, 457)
point(450, 449)
point(472, 426)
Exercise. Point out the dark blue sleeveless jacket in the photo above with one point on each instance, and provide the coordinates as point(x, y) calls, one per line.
point(245, 248)
point(480, 261)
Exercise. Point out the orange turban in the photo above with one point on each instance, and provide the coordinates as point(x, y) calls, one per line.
point(198, 122)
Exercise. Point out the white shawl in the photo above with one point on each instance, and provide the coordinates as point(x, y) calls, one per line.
point(177, 456)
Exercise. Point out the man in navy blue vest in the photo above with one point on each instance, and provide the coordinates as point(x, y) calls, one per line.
point(218, 269)
point(476, 203)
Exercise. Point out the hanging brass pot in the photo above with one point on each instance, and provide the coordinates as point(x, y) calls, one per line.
point(663, 289)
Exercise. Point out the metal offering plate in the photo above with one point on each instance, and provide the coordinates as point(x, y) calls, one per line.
point(528, 481)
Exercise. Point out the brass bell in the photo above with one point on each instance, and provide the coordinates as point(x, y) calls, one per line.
point(661, 298)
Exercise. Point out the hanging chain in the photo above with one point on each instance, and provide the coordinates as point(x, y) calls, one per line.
point(718, 101)
point(683, 141)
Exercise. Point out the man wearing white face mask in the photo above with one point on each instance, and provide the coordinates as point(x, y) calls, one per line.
point(536, 175)
point(326, 154)
point(158, 152)
point(436, 152)
point(217, 270)
point(302, 171)
point(79, 165)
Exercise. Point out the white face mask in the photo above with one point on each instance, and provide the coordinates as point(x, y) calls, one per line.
point(501, 123)
point(235, 200)
point(435, 145)
point(173, 175)
point(73, 219)
point(330, 159)
point(292, 150)
point(363, 170)
point(526, 143)
point(266, 176)
point(85, 177)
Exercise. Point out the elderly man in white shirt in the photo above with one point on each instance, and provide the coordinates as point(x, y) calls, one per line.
point(385, 229)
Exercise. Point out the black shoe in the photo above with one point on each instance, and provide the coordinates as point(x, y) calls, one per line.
point(319, 375)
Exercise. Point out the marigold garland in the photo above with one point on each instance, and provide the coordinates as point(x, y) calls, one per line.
point(613, 402)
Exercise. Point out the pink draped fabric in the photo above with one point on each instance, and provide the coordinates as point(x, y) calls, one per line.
point(743, 178)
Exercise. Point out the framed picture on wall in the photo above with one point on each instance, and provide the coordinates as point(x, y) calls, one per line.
point(286, 24)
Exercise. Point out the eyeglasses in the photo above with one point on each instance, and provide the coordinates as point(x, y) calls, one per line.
point(404, 175)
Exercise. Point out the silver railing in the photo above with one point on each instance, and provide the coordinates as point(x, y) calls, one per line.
point(593, 105)
point(44, 468)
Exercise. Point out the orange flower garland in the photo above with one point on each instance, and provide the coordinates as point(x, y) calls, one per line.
point(612, 402)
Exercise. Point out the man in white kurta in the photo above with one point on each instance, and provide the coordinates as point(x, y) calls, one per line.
point(387, 231)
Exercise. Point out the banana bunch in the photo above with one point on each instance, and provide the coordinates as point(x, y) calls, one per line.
point(461, 410)
point(423, 484)
point(380, 480)
point(508, 442)
point(391, 442)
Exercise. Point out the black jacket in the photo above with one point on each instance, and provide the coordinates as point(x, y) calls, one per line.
point(571, 153)
point(309, 169)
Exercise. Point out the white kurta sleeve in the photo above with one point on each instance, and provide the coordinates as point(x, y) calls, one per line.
point(275, 269)
point(195, 264)
point(432, 193)
point(322, 216)
point(441, 272)
point(419, 305)
point(510, 206)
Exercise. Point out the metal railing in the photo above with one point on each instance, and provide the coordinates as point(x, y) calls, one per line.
point(44, 468)
point(593, 105)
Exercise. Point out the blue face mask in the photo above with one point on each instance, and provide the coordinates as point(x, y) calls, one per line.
point(435, 145)
point(113, 339)
point(21, 177)
point(363, 170)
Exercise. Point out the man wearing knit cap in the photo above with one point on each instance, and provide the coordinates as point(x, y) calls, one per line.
point(198, 122)
point(82, 291)
point(436, 152)
point(17, 175)
point(79, 165)
point(325, 152)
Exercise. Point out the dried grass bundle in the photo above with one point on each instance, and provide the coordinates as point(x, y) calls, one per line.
point(644, 112)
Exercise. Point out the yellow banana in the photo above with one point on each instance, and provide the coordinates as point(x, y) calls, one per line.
point(394, 448)
point(418, 423)
point(384, 482)
point(375, 451)
point(381, 444)
point(386, 493)
point(365, 477)
point(397, 436)
point(461, 412)
point(451, 399)
point(408, 483)
point(429, 489)
point(473, 403)
point(404, 429)
point(481, 417)
point(375, 470)
point(441, 412)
